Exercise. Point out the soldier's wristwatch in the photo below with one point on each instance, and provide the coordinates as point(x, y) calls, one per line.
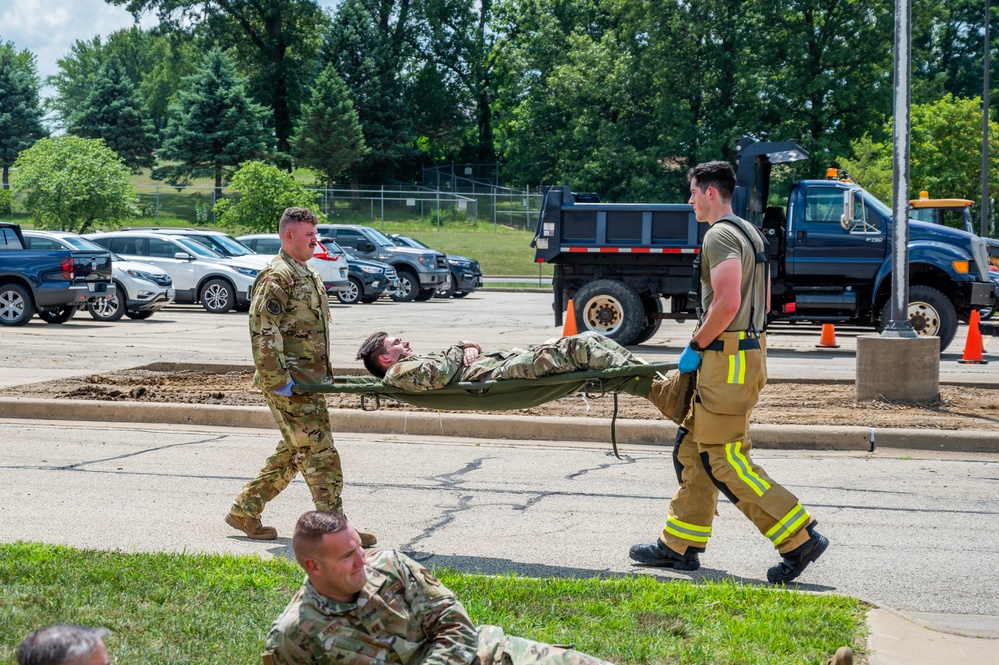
point(694, 346)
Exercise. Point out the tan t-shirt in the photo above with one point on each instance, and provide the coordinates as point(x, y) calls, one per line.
point(721, 242)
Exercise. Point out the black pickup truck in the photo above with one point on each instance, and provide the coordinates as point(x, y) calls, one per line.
point(52, 283)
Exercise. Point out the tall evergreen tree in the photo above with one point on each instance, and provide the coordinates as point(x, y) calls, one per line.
point(274, 41)
point(20, 109)
point(329, 138)
point(370, 51)
point(113, 111)
point(213, 125)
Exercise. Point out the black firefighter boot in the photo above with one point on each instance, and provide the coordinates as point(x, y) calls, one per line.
point(657, 554)
point(795, 561)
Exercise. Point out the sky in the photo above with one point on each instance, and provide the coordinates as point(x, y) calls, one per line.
point(48, 28)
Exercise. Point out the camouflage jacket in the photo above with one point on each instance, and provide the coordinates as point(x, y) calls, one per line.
point(436, 370)
point(289, 325)
point(402, 615)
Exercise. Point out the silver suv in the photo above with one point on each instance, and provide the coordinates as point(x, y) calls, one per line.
point(198, 273)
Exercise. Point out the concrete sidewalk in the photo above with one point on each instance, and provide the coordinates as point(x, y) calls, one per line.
point(895, 638)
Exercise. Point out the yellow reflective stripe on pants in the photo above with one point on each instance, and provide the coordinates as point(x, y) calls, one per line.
point(687, 531)
point(737, 365)
point(788, 525)
point(744, 469)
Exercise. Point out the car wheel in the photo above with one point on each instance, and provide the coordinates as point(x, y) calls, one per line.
point(610, 308)
point(108, 309)
point(425, 295)
point(218, 296)
point(16, 305)
point(352, 293)
point(450, 289)
point(409, 287)
point(986, 313)
point(139, 316)
point(930, 313)
point(57, 314)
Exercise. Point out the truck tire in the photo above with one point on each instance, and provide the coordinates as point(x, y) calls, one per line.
point(57, 315)
point(218, 296)
point(651, 306)
point(930, 313)
point(352, 293)
point(16, 305)
point(610, 308)
point(108, 309)
point(409, 286)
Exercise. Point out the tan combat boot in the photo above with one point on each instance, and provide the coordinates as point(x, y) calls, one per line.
point(367, 539)
point(672, 396)
point(251, 526)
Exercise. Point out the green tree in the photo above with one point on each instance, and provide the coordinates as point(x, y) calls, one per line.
point(69, 183)
point(114, 112)
point(329, 138)
point(213, 125)
point(945, 153)
point(369, 45)
point(20, 109)
point(264, 192)
point(275, 41)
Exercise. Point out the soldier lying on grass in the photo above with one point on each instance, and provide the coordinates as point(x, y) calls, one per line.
point(366, 607)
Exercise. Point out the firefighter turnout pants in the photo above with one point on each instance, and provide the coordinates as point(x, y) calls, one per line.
point(712, 453)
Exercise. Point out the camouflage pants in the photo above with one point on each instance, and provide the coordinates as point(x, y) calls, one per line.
point(497, 648)
point(588, 350)
point(306, 447)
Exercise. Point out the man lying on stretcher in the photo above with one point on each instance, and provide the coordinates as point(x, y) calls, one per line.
point(392, 360)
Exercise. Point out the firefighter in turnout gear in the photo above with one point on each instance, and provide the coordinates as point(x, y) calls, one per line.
point(728, 354)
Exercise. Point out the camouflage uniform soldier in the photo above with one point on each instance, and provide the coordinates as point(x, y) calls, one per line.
point(712, 450)
point(289, 334)
point(380, 606)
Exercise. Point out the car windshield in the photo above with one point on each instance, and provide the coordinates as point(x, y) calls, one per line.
point(381, 238)
point(222, 244)
point(197, 248)
point(412, 242)
point(82, 244)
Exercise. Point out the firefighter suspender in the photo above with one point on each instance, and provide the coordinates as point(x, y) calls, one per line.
point(762, 258)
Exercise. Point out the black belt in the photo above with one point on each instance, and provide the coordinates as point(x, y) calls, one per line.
point(744, 344)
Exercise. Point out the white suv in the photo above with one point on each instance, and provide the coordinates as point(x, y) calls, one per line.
point(198, 273)
point(140, 288)
point(328, 260)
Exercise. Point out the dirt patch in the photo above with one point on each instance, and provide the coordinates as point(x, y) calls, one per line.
point(959, 407)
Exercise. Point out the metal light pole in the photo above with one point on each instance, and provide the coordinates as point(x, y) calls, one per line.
point(899, 325)
point(985, 126)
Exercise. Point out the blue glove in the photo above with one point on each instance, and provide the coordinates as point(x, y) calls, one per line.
point(286, 391)
point(690, 360)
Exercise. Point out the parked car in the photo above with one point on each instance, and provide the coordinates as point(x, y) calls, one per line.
point(367, 280)
point(328, 259)
point(421, 271)
point(140, 288)
point(466, 275)
point(219, 242)
point(52, 282)
point(199, 274)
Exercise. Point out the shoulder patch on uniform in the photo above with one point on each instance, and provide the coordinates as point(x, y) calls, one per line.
point(274, 306)
point(428, 576)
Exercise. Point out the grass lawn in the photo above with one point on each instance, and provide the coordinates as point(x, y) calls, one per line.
point(200, 608)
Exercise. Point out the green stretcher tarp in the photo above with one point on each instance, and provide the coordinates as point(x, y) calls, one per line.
point(504, 394)
point(501, 395)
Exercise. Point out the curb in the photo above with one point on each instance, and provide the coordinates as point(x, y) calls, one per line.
point(524, 428)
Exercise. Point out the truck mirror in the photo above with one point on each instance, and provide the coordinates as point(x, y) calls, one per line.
point(846, 220)
point(365, 246)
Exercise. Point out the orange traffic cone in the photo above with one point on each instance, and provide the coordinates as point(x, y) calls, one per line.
point(828, 338)
point(973, 347)
point(570, 321)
